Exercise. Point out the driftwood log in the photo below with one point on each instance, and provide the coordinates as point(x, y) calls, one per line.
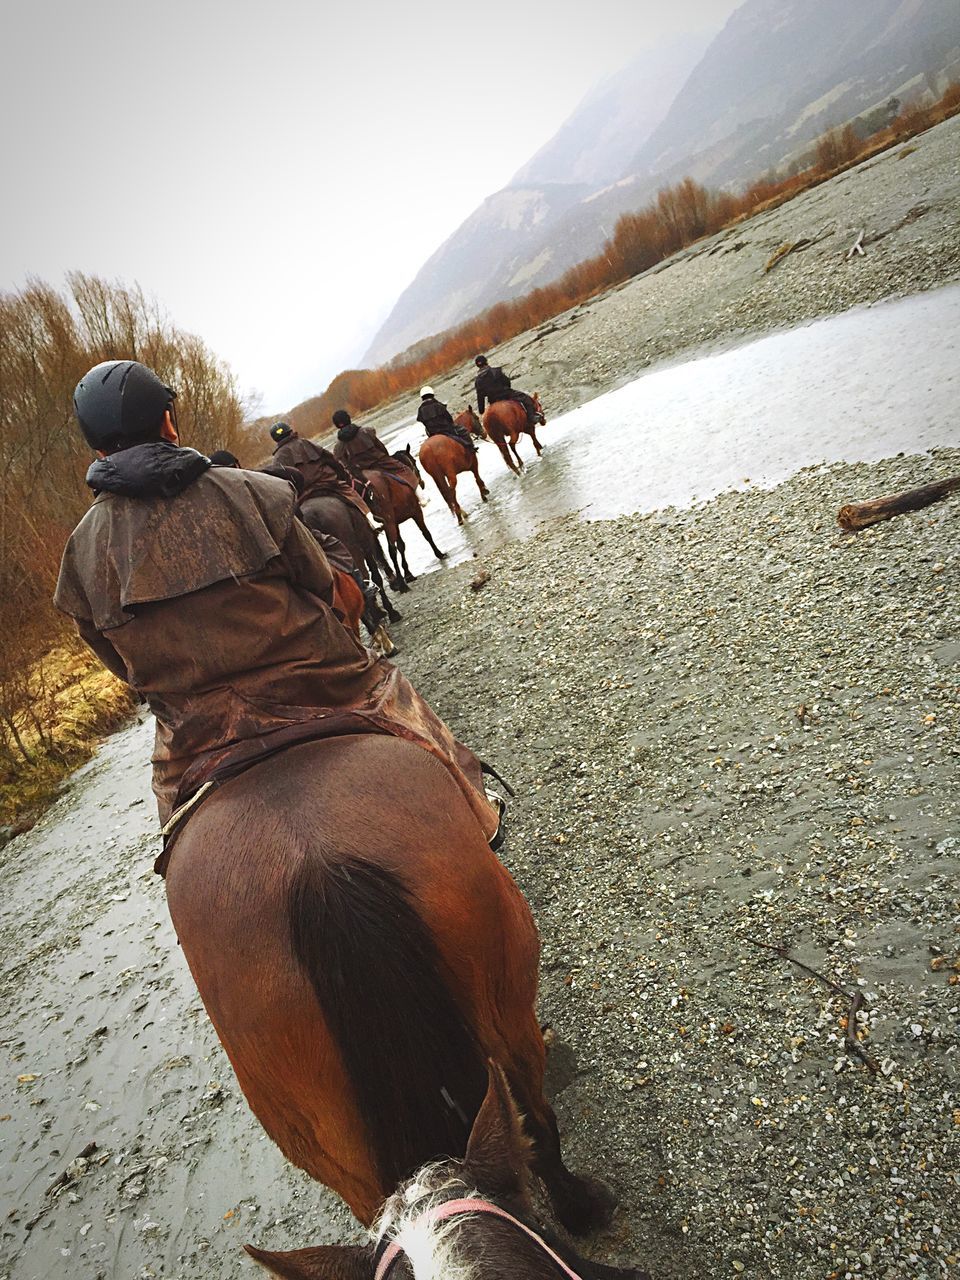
point(858, 515)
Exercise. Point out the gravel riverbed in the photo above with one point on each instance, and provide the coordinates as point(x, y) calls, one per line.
point(730, 728)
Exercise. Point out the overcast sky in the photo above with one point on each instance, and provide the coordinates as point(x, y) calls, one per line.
point(275, 172)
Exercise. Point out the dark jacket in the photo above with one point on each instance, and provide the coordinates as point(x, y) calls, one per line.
point(361, 450)
point(321, 471)
point(435, 417)
point(491, 384)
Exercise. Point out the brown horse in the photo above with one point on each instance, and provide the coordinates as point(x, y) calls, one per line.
point(486, 1192)
point(444, 458)
point(330, 514)
point(362, 953)
point(505, 422)
point(393, 503)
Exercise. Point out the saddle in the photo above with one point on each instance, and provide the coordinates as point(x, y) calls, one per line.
point(214, 768)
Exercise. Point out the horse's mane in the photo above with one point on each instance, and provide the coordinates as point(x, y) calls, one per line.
point(430, 1247)
point(416, 1070)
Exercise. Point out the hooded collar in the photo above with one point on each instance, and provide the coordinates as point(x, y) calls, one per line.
point(348, 432)
point(157, 470)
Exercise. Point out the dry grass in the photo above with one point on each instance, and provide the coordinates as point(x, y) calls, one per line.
point(82, 703)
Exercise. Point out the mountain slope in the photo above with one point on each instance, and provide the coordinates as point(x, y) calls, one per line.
point(490, 251)
point(779, 74)
point(783, 71)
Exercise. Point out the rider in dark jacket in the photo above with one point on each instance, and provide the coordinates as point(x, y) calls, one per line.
point(492, 384)
point(437, 421)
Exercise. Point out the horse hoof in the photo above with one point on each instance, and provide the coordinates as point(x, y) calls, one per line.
point(394, 616)
point(585, 1206)
point(398, 584)
point(410, 578)
point(442, 555)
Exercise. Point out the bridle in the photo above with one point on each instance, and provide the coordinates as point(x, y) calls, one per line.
point(388, 1251)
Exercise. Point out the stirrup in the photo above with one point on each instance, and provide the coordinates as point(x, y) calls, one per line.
point(498, 802)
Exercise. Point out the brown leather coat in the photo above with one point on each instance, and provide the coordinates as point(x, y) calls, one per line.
point(321, 471)
point(215, 605)
point(365, 451)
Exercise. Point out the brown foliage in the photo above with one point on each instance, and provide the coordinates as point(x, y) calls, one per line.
point(48, 340)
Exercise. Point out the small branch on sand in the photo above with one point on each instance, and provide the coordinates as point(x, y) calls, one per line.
point(778, 255)
point(853, 1045)
point(856, 248)
point(859, 515)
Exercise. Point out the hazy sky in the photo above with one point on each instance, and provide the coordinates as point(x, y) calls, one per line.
point(276, 172)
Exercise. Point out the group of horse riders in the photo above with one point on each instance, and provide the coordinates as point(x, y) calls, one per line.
point(197, 584)
point(327, 839)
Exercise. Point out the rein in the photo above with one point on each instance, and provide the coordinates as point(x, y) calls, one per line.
point(450, 1209)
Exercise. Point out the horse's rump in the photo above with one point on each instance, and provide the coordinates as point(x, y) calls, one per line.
point(360, 952)
point(504, 415)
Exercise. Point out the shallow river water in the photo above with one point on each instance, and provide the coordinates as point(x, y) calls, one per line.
point(863, 385)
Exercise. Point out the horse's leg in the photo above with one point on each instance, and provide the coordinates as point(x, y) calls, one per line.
point(448, 493)
point(401, 552)
point(513, 445)
point(391, 531)
point(505, 454)
point(421, 524)
point(377, 579)
point(376, 561)
point(455, 505)
point(484, 491)
point(532, 433)
point(496, 956)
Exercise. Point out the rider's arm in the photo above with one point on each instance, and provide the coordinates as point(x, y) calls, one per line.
point(481, 398)
point(307, 567)
point(102, 647)
point(343, 471)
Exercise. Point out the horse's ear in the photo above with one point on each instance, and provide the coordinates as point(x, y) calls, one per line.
point(325, 1262)
point(498, 1151)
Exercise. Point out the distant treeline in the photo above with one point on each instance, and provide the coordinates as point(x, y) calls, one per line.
point(679, 215)
point(48, 340)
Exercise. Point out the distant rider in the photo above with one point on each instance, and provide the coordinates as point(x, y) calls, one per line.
point(492, 384)
point(436, 420)
point(321, 471)
point(361, 450)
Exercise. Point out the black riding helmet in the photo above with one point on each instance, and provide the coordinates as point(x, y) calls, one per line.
point(341, 418)
point(280, 431)
point(480, 361)
point(120, 402)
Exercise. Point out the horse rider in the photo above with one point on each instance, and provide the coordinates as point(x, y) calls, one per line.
point(361, 450)
point(436, 420)
point(492, 384)
point(200, 588)
point(321, 471)
point(338, 555)
point(224, 458)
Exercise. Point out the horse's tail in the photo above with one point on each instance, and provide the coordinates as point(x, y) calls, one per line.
point(414, 1063)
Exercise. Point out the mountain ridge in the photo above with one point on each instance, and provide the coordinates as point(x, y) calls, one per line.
point(747, 107)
